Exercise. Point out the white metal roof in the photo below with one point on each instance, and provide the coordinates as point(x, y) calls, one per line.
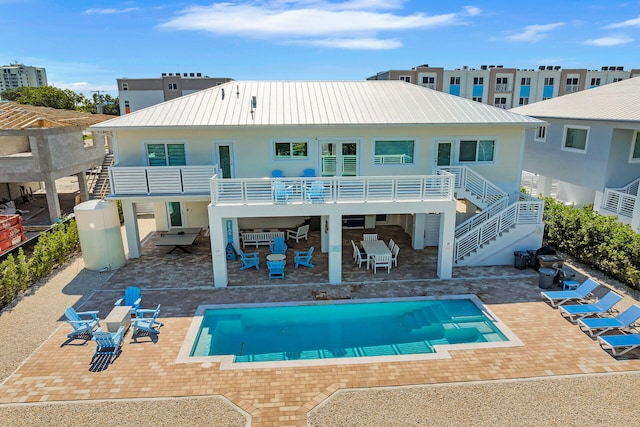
point(612, 102)
point(315, 103)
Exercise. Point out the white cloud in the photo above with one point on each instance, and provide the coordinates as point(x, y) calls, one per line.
point(107, 11)
point(472, 10)
point(624, 24)
point(86, 88)
point(609, 41)
point(346, 25)
point(534, 33)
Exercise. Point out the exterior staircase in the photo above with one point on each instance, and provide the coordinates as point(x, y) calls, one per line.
point(99, 187)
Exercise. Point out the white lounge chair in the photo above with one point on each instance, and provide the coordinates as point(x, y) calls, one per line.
point(581, 294)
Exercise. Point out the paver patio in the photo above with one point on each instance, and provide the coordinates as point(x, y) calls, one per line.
point(284, 396)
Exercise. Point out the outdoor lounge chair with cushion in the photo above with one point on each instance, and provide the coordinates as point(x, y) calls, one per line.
point(81, 326)
point(248, 260)
point(108, 342)
point(146, 321)
point(619, 344)
point(301, 233)
point(276, 269)
point(131, 298)
point(303, 258)
point(599, 325)
point(581, 294)
point(602, 306)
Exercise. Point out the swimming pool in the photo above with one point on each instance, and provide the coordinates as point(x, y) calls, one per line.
point(336, 330)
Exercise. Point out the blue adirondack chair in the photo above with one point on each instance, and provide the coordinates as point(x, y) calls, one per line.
point(281, 192)
point(108, 342)
point(315, 192)
point(303, 258)
point(131, 298)
point(277, 173)
point(276, 269)
point(308, 173)
point(146, 321)
point(81, 326)
point(278, 246)
point(248, 260)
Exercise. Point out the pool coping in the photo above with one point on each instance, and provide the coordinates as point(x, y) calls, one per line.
point(440, 351)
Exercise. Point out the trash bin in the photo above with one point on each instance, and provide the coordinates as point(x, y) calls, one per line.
point(546, 276)
point(520, 259)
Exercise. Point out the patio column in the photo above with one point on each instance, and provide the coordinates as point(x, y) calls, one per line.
point(131, 229)
point(82, 186)
point(217, 234)
point(324, 234)
point(417, 236)
point(544, 186)
point(447, 239)
point(53, 203)
point(335, 249)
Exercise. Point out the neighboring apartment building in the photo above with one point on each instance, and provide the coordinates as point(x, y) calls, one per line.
point(136, 94)
point(18, 75)
point(376, 148)
point(508, 87)
point(591, 147)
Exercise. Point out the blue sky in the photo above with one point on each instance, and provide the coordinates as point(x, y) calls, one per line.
point(87, 45)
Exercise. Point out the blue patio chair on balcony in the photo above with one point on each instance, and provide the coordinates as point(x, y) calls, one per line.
point(83, 322)
point(303, 258)
point(276, 269)
point(131, 298)
point(281, 192)
point(248, 260)
point(277, 173)
point(308, 173)
point(278, 246)
point(315, 192)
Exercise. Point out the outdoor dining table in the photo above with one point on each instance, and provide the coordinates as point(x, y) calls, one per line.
point(374, 247)
point(181, 231)
point(178, 241)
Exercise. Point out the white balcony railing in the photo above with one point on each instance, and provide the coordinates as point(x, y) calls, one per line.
point(476, 184)
point(622, 201)
point(502, 88)
point(571, 88)
point(360, 189)
point(161, 179)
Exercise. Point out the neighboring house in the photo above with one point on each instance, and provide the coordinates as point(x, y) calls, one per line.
point(136, 94)
point(40, 144)
point(508, 87)
point(378, 151)
point(591, 147)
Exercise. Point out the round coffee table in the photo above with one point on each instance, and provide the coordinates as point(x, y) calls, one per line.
point(276, 257)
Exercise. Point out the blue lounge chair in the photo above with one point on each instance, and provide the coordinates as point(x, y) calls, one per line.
point(276, 269)
point(149, 323)
point(602, 306)
point(581, 294)
point(81, 326)
point(315, 192)
point(248, 260)
point(599, 325)
point(619, 344)
point(108, 342)
point(278, 246)
point(131, 298)
point(303, 258)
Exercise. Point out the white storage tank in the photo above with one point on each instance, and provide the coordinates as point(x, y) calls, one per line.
point(100, 236)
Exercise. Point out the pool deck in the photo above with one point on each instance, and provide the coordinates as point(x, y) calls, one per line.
point(61, 371)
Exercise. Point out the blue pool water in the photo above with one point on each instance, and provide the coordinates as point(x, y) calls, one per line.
point(301, 332)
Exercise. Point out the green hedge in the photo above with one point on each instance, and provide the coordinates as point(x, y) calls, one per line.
point(53, 249)
point(597, 240)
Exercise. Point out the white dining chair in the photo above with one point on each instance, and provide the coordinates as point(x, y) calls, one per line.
point(369, 237)
point(383, 261)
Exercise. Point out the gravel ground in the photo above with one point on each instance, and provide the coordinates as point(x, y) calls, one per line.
point(579, 400)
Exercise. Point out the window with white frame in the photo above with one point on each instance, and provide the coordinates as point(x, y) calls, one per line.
point(500, 102)
point(125, 86)
point(296, 149)
point(595, 81)
point(575, 138)
point(428, 80)
point(476, 150)
point(548, 81)
point(393, 151)
point(476, 98)
point(454, 80)
point(634, 157)
point(478, 80)
point(525, 81)
point(617, 79)
point(405, 79)
point(524, 100)
point(166, 154)
point(541, 134)
point(173, 86)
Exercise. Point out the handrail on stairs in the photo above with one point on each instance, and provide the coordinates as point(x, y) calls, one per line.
point(105, 183)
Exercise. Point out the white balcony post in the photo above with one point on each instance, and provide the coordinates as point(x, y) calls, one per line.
point(324, 234)
point(131, 229)
point(447, 239)
point(217, 233)
point(335, 249)
point(417, 236)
